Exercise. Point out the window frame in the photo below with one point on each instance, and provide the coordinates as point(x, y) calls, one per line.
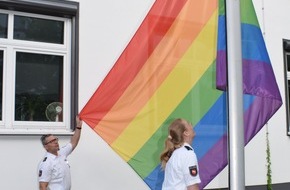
point(53, 8)
point(286, 52)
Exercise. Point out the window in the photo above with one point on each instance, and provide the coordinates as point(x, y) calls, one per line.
point(38, 66)
point(286, 47)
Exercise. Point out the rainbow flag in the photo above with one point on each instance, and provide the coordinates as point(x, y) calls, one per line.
point(261, 94)
point(168, 70)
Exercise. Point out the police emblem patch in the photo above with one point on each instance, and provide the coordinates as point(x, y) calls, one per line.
point(193, 171)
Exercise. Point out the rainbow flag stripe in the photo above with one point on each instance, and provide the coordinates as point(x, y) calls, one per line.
point(168, 70)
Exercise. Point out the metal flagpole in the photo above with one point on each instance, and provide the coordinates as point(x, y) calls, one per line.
point(235, 96)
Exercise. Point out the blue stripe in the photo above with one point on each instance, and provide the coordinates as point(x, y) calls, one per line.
point(253, 43)
point(155, 179)
point(211, 127)
point(248, 100)
point(221, 44)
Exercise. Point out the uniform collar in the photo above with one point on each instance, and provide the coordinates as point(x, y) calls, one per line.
point(49, 155)
point(186, 144)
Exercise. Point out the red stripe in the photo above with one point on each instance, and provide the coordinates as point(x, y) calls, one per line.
point(153, 28)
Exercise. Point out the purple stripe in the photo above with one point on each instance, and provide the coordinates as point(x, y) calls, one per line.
point(221, 68)
point(258, 115)
point(213, 162)
point(259, 80)
point(258, 77)
point(261, 110)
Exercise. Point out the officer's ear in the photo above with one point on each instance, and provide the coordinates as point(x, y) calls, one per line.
point(186, 133)
point(45, 147)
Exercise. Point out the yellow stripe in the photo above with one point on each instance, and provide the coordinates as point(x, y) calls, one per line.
point(187, 72)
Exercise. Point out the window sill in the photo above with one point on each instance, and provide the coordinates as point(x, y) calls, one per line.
point(29, 131)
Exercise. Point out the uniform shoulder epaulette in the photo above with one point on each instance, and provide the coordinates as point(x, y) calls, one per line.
point(188, 147)
point(44, 159)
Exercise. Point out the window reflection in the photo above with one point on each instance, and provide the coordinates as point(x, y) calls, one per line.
point(40, 30)
point(288, 62)
point(288, 106)
point(3, 25)
point(1, 82)
point(39, 79)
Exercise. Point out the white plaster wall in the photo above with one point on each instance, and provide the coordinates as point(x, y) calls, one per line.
point(105, 29)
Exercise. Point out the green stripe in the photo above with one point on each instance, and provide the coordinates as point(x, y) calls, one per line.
point(221, 7)
point(201, 97)
point(248, 14)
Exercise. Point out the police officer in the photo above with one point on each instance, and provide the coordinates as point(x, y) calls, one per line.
point(178, 158)
point(54, 171)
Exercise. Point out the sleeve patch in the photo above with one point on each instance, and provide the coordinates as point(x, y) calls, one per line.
point(193, 171)
point(40, 173)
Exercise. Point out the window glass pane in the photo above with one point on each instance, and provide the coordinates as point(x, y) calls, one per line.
point(1, 82)
point(39, 79)
point(37, 29)
point(3, 25)
point(288, 95)
point(288, 62)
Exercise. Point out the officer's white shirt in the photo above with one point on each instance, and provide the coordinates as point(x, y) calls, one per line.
point(181, 169)
point(55, 169)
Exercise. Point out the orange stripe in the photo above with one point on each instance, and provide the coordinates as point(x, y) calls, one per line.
point(174, 44)
point(143, 43)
